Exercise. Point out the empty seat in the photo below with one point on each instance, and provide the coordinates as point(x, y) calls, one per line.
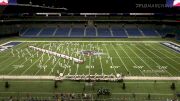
point(32, 32)
point(133, 32)
point(62, 32)
point(104, 32)
point(77, 32)
point(90, 32)
point(119, 32)
point(164, 31)
point(47, 32)
point(149, 32)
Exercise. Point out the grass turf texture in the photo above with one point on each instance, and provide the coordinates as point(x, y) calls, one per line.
point(127, 58)
point(23, 88)
point(154, 56)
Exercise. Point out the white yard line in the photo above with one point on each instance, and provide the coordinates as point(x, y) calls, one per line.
point(102, 71)
point(174, 43)
point(5, 43)
point(15, 60)
point(141, 59)
point(132, 60)
point(66, 68)
point(9, 64)
point(96, 41)
point(100, 41)
point(90, 61)
point(5, 77)
point(17, 68)
point(121, 60)
point(53, 67)
point(111, 60)
point(168, 51)
point(55, 64)
point(77, 68)
point(4, 55)
point(165, 55)
point(41, 68)
point(28, 77)
point(163, 60)
point(6, 60)
point(153, 60)
point(32, 65)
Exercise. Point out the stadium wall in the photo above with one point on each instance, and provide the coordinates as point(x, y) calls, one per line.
point(178, 36)
point(6, 30)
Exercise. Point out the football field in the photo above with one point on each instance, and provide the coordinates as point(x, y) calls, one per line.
point(128, 58)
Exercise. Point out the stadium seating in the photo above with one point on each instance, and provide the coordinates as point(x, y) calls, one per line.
point(119, 32)
point(46, 32)
point(104, 32)
point(31, 32)
point(164, 31)
point(90, 32)
point(149, 32)
point(23, 31)
point(133, 32)
point(62, 32)
point(77, 32)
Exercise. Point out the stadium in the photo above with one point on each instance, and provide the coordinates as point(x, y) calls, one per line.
point(77, 50)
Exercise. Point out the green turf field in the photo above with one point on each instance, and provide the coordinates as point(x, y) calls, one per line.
point(42, 89)
point(132, 58)
point(129, 57)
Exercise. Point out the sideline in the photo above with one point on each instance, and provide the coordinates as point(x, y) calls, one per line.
point(2, 77)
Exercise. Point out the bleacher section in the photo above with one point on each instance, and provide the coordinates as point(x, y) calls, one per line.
point(104, 32)
point(119, 32)
point(149, 32)
point(164, 31)
point(92, 31)
point(62, 32)
point(77, 32)
point(46, 32)
point(31, 32)
point(133, 32)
